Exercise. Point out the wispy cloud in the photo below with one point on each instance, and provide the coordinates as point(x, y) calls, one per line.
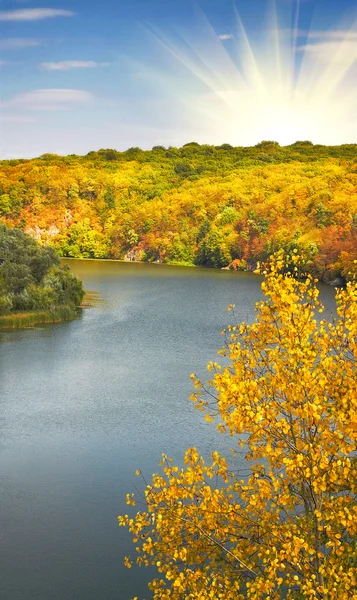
point(333, 34)
point(15, 43)
point(316, 34)
point(67, 65)
point(226, 36)
point(49, 99)
point(16, 119)
point(331, 46)
point(328, 47)
point(34, 14)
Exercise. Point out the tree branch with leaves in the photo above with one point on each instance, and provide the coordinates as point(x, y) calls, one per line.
point(287, 395)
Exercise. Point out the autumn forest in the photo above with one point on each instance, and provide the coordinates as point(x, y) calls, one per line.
point(196, 205)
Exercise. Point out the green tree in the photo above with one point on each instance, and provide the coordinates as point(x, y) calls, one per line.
point(31, 277)
point(85, 241)
point(213, 250)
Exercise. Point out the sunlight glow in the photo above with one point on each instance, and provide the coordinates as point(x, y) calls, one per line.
point(285, 83)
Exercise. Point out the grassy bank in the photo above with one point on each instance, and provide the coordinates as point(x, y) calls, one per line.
point(28, 319)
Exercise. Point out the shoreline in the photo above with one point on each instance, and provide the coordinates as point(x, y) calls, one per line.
point(138, 262)
point(249, 271)
point(146, 262)
point(23, 320)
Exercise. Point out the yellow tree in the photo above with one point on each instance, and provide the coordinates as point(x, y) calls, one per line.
point(287, 394)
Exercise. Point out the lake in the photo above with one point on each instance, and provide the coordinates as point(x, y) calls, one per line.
point(86, 403)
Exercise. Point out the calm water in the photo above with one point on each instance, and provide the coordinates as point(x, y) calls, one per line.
point(84, 404)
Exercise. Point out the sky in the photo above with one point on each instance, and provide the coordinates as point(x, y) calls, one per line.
point(81, 75)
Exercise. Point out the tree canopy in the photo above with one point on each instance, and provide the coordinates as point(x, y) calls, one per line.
point(31, 277)
point(198, 204)
point(287, 396)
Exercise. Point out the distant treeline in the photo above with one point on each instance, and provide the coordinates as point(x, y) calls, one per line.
point(32, 281)
point(199, 204)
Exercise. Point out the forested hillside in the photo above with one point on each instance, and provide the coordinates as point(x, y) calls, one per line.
point(194, 205)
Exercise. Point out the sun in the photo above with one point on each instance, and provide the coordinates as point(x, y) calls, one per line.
point(290, 84)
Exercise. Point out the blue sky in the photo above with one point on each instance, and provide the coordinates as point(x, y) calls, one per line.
point(84, 75)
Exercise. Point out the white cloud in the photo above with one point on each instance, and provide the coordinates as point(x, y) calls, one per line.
point(315, 34)
point(226, 36)
point(49, 99)
point(332, 51)
point(329, 47)
point(337, 34)
point(34, 14)
point(15, 43)
point(67, 65)
point(16, 119)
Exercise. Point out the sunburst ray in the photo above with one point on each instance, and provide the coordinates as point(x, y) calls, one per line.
point(293, 83)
